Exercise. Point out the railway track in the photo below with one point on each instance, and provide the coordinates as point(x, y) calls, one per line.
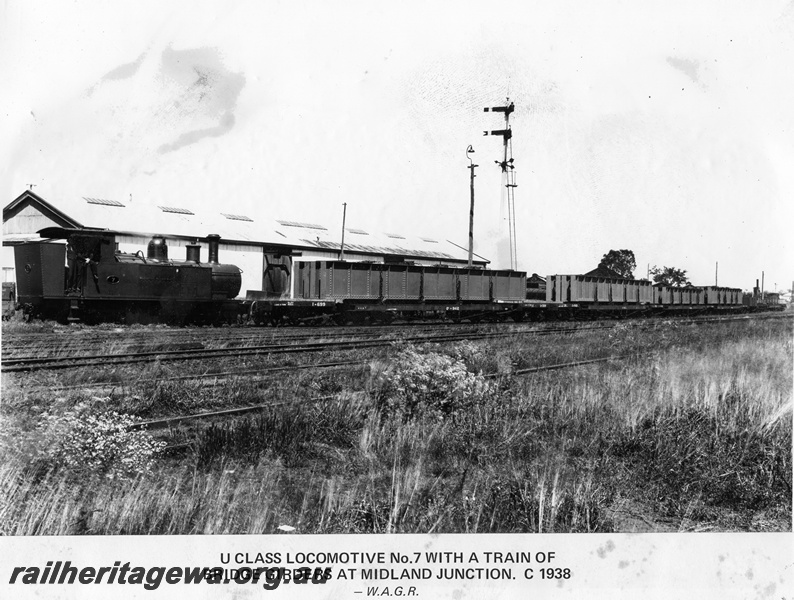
point(41, 346)
point(366, 339)
point(18, 346)
point(96, 360)
point(45, 345)
point(169, 422)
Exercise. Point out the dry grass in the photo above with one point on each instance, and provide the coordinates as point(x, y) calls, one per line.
point(697, 437)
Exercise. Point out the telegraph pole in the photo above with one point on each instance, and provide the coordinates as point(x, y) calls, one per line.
point(472, 166)
point(342, 247)
point(716, 274)
point(509, 175)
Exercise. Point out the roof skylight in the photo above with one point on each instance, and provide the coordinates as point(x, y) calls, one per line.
point(303, 225)
point(238, 217)
point(176, 210)
point(103, 202)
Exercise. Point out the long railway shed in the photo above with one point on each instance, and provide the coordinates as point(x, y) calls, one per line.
point(263, 247)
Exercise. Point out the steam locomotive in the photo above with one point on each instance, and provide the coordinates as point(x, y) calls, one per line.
point(88, 279)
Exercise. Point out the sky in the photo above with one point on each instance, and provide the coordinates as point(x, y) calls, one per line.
point(666, 128)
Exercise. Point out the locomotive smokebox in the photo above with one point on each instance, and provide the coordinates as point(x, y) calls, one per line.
point(193, 253)
point(157, 249)
point(213, 240)
point(226, 281)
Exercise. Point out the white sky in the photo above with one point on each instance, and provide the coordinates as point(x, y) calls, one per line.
point(666, 128)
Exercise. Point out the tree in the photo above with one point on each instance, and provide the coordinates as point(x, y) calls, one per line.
point(670, 276)
point(621, 262)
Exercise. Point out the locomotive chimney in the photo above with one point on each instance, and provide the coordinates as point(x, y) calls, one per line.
point(193, 253)
point(213, 240)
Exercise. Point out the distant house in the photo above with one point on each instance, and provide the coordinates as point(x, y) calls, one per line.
point(604, 272)
point(536, 287)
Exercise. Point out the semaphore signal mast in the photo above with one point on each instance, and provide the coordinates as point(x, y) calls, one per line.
point(508, 174)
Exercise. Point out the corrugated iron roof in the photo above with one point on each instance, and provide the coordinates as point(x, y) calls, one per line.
point(148, 219)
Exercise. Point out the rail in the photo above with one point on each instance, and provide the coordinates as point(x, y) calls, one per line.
point(168, 422)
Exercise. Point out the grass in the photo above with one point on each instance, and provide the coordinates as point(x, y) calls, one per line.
point(695, 437)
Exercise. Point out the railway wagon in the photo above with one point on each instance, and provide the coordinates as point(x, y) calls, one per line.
point(723, 296)
point(385, 282)
point(571, 295)
point(598, 293)
point(88, 279)
point(381, 291)
point(695, 297)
